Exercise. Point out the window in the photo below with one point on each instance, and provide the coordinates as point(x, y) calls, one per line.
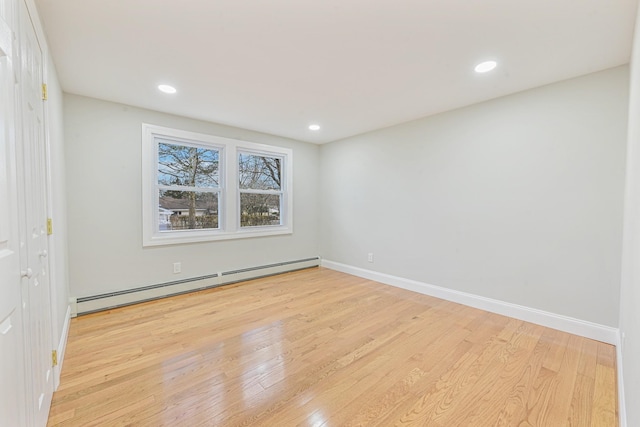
point(200, 187)
point(187, 186)
point(260, 182)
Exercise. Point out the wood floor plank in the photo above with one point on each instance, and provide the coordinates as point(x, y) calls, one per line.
point(604, 411)
point(322, 348)
point(515, 406)
point(502, 379)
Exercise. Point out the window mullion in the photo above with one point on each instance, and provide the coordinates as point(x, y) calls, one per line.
point(231, 195)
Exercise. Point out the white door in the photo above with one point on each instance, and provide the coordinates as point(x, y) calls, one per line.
point(35, 289)
point(12, 372)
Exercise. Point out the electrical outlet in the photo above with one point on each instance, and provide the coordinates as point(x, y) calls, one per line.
point(370, 257)
point(177, 267)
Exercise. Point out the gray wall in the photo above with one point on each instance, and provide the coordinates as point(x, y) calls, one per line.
point(103, 156)
point(630, 285)
point(517, 199)
point(58, 261)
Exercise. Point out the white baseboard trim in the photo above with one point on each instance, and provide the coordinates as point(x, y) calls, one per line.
point(73, 303)
point(622, 407)
point(571, 325)
point(62, 346)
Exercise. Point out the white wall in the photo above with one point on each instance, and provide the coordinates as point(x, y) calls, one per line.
point(517, 199)
point(630, 285)
point(103, 157)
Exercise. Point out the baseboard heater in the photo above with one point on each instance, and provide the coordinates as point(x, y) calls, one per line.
point(92, 304)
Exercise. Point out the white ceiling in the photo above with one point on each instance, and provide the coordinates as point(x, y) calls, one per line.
point(351, 66)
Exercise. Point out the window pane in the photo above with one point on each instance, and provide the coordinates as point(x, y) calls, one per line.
point(188, 166)
point(259, 172)
point(187, 210)
point(259, 209)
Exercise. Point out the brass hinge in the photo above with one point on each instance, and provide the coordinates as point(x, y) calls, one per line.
point(49, 226)
point(54, 358)
point(44, 91)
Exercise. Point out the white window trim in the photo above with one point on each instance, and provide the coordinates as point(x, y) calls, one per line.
point(281, 192)
point(229, 199)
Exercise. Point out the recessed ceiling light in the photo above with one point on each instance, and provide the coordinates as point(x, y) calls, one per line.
point(314, 127)
point(167, 89)
point(483, 67)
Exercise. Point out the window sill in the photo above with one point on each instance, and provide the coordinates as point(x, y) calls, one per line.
point(196, 236)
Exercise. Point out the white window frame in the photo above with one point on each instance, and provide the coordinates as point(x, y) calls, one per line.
point(229, 193)
point(281, 192)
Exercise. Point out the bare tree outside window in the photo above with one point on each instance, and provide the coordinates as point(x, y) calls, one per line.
point(188, 185)
point(260, 182)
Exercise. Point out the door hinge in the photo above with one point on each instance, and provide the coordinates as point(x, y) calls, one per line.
point(44, 91)
point(49, 226)
point(54, 358)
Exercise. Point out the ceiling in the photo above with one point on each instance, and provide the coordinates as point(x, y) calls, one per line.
point(351, 66)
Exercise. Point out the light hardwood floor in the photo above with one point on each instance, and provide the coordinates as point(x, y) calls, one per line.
point(322, 348)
